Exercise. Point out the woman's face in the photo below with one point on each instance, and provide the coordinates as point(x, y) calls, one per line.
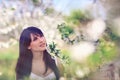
point(38, 43)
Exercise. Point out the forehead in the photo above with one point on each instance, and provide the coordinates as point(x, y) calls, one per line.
point(34, 35)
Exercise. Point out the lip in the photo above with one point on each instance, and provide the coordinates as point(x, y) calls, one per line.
point(42, 45)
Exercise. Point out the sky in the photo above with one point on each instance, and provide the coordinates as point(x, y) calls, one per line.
point(67, 5)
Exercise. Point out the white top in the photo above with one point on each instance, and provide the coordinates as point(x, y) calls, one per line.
point(51, 76)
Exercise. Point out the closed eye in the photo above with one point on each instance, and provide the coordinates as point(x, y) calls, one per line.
point(35, 38)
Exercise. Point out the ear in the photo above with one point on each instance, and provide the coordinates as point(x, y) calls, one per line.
point(29, 47)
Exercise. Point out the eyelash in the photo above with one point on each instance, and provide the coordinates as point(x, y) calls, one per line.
point(35, 38)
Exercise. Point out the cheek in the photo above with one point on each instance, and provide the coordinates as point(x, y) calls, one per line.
point(43, 39)
point(33, 45)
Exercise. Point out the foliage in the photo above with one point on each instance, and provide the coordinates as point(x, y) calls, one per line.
point(37, 2)
point(106, 51)
point(8, 58)
point(70, 67)
point(9, 53)
point(49, 11)
point(66, 31)
point(7, 69)
point(56, 52)
point(111, 35)
point(76, 17)
point(52, 49)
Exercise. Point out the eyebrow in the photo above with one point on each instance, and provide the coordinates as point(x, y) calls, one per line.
point(35, 35)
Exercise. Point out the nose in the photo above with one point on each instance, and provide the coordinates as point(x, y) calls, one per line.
point(40, 39)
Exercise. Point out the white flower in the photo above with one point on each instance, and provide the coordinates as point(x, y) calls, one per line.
point(81, 51)
point(95, 29)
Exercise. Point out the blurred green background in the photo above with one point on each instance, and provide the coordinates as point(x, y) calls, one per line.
point(84, 34)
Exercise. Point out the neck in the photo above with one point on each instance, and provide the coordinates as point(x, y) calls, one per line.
point(38, 56)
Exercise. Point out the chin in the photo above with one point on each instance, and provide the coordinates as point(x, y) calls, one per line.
point(43, 49)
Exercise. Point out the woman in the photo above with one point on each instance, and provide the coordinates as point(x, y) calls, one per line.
point(34, 61)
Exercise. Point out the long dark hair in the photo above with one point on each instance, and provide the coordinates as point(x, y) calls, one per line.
point(24, 63)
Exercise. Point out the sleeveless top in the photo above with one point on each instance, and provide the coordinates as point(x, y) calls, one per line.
point(50, 76)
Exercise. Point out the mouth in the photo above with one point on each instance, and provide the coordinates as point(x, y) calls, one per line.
point(42, 45)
